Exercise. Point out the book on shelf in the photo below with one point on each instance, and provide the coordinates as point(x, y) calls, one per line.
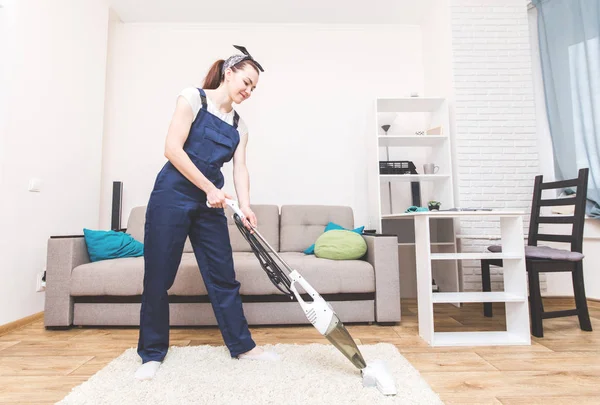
point(435, 131)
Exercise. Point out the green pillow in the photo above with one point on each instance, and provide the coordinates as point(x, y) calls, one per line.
point(331, 226)
point(340, 244)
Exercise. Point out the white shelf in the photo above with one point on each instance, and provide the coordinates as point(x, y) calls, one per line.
point(413, 177)
point(409, 104)
point(404, 216)
point(494, 296)
point(478, 339)
point(451, 214)
point(406, 116)
point(428, 225)
point(515, 285)
point(411, 140)
point(474, 256)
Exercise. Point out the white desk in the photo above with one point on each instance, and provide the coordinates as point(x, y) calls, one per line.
point(515, 281)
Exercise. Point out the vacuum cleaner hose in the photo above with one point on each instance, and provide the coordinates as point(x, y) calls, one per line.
point(274, 272)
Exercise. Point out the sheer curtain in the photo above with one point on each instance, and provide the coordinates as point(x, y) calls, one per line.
point(569, 46)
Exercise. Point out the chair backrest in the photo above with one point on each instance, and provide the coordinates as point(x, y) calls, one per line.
point(575, 238)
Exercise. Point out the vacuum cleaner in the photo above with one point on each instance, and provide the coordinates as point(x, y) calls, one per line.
point(319, 313)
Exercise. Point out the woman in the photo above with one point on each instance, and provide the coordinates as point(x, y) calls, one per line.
point(204, 133)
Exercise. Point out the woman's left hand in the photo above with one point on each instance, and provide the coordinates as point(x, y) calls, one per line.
point(250, 218)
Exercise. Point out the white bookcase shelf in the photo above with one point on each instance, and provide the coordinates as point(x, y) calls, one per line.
point(407, 139)
point(419, 132)
point(514, 295)
point(413, 177)
point(412, 140)
point(462, 297)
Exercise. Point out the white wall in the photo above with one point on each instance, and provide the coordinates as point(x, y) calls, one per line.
point(6, 22)
point(307, 117)
point(437, 50)
point(437, 69)
point(53, 131)
point(495, 136)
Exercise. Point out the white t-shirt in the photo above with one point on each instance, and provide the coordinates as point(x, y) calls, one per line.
point(192, 95)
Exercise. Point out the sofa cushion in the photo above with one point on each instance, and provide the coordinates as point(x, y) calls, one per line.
point(109, 277)
point(266, 215)
point(326, 276)
point(125, 276)
point(301, 225)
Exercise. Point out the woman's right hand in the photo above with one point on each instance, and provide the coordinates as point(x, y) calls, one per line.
point(216, 198)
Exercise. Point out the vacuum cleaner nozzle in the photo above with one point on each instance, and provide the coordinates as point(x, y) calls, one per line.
point(377, 375)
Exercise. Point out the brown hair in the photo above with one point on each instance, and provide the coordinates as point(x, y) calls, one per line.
point(214, 77)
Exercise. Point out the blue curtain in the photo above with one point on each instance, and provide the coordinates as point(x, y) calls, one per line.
point(569, 43)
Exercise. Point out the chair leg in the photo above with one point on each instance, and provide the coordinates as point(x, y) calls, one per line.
point(580, 299)
point(486, 284)
point(535, 304)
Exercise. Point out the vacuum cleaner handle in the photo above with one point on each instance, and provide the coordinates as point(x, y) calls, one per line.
point(234, 206)
point(318, 312)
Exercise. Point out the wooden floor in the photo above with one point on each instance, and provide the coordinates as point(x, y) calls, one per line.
point(41, 367)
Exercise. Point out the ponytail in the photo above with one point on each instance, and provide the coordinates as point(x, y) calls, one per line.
point(213, 77)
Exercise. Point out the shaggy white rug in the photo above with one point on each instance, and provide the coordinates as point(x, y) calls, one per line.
point(306, 374)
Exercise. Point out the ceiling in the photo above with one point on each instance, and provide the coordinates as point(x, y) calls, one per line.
point(273, 11)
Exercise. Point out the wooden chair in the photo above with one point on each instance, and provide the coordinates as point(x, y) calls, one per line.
point(543, 259)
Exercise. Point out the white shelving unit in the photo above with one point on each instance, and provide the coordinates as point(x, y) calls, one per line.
point(448, 298)
point(384, 178)
point(390, 194)
point(411, 140)
point(515, 282)
point(407, 117)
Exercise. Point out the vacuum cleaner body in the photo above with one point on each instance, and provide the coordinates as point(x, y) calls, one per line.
point(326, 321)
point(318, 311)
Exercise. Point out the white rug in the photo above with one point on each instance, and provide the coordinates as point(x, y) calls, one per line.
point(306, 374)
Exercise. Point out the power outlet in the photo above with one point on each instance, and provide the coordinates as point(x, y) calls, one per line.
point(40, 284)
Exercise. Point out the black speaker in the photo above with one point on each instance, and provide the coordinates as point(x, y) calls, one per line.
point(117, 202)
point(415, 188)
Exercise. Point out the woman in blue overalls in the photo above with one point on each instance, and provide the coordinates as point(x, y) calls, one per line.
point(196, 148)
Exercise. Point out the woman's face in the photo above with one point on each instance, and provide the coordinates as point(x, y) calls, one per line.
point(241, 83)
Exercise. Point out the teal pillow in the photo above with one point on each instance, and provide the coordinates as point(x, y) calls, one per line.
point(340, 244)
point(331, 226)
point(103, 245)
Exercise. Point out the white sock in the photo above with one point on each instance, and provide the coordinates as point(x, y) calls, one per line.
point(147, 370)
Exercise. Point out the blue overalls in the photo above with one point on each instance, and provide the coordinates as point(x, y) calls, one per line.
point(176, 209)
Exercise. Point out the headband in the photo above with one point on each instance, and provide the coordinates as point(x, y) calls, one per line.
point(235, 59)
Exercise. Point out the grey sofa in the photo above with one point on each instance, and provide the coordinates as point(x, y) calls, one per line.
point(108, 292)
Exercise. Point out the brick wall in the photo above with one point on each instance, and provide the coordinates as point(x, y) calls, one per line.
point(495, 120)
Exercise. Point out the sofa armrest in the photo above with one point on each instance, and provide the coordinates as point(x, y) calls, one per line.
point(64, 254)
point(382, 253)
